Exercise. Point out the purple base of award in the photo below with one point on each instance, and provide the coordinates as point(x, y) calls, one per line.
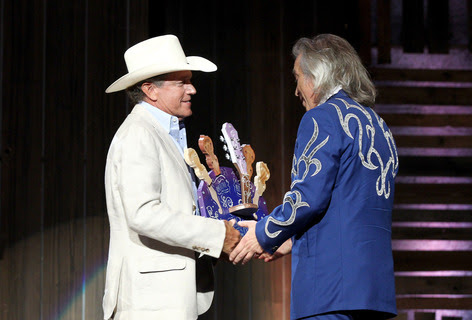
point(228, 190)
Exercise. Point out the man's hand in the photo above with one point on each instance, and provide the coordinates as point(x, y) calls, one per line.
point(283, 250)
point(232, 238)
point(248, 247)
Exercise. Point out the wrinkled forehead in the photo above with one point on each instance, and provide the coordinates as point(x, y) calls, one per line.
point(296, 66)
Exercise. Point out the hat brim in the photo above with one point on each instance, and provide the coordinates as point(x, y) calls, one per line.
point(194, 63)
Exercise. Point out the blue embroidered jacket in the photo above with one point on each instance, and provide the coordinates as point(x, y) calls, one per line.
point(338, 211)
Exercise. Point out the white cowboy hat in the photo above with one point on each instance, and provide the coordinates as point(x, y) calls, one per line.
point(157, 56)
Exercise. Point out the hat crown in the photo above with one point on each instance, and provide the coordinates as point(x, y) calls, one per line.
point(156, 56)
point(163, 50)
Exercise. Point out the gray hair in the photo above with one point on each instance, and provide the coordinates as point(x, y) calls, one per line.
point(331, 61)
point(136, 94)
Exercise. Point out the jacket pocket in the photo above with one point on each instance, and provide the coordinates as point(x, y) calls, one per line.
point(161, 264)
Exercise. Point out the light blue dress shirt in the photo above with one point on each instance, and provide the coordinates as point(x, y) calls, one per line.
point(176, 130)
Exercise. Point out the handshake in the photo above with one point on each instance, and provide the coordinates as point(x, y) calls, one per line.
point(241, 250)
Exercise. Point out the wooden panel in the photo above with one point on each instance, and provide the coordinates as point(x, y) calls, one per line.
point(439, 75)
point(364, 47)
point(434, 152)
point(64, 154)
point(434, 142)
point(460, 285)
point(46, 255)
point(432, 217)
point(435, 166)
point(347, 22)
point(21, 122)
point(138, 21)
point(432, 120)
point(264, 72)
point(435, 303)
point(97, 235)
point(232, 294)
point(200, 35)
point(425, 316)
point(413, 38)
point(432, 260)
point(222, 96)
point(438, 26)
point(384, 32)
point(265, 69)
point(431, 233)
point(21, 167)
point(404, 109)
point(429, 216)
point(425, 95)
point(20, 276)
point(103, 114)
point(404, 316)
point(455, 318)
point(433, 193)
point(73, 305)
point(229, 103)
point(469, 23)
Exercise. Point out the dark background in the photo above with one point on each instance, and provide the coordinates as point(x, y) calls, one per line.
point(57, 58)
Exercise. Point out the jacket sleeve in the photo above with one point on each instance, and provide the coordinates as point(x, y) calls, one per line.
point(314, 169)
point(141, 173)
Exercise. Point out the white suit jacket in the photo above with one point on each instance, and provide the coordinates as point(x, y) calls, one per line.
point(152, 270)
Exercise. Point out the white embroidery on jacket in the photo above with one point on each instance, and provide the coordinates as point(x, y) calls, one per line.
point(382, 185)
point(308, 159)
point(287, 199)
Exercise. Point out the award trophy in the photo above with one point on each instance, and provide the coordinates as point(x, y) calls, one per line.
point(227, 193)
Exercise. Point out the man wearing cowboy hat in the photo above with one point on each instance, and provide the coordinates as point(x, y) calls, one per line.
point(159, 264)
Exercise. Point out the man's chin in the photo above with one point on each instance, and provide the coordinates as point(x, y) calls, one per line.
point(186, 115)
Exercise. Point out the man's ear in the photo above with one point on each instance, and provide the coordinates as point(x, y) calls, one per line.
point(150, 90)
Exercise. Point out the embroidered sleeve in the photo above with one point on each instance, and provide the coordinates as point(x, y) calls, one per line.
point(314, 168)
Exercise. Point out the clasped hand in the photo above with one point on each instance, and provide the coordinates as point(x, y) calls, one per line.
point(249, 247)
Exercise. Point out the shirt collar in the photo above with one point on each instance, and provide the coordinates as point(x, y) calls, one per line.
point(167, 121)
point(171, 124)
point(331, 93)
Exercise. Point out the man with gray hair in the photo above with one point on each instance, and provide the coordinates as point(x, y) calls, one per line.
point(336, 218)
point(161, 250)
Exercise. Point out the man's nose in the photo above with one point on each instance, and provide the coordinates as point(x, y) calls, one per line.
point(191, 89)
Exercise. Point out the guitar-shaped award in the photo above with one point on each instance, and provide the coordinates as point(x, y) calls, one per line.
point(206, 146)
point(192, 159)
point(262, 175)
point(234, 149)
point(227, 193)
point(250, 156)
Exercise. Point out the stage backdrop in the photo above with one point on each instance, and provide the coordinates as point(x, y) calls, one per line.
point(57, 58)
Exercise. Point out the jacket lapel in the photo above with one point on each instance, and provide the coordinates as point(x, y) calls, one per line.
point(169, 143)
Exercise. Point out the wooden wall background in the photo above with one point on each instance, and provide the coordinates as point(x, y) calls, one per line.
point(57, 58)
